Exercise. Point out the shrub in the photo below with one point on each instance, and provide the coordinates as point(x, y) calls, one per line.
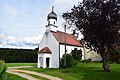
point(69, 61)
point(86, 61)
point(76, 54)
point(115, 57)
point(2, 70)
point(76, 62)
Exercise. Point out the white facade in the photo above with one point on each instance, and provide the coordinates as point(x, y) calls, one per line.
point(51, 28)
point(49, 41)
point(56, 49)
point(42, 60)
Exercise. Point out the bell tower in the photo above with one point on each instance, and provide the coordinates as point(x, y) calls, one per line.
point(52, 19)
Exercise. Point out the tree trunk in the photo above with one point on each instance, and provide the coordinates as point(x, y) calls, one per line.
point(106, 66)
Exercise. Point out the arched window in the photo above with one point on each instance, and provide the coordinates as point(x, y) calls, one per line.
point(41, 62)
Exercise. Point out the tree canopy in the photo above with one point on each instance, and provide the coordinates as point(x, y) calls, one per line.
point(99, 22)
point(10, 55)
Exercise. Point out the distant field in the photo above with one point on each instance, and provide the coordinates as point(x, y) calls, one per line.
point(86, 71)
point(20, 64)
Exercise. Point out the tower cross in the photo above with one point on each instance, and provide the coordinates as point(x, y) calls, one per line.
point(52, 8)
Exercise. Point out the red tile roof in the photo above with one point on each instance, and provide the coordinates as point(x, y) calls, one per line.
point(70, 39)
point(45, 50)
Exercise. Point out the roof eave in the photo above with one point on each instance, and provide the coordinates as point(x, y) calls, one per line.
point(71, 45)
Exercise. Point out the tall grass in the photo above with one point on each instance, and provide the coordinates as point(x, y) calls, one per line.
point(2, 70)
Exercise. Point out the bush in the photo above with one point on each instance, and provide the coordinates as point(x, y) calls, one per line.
point(115, 56)
point(86, 61)
point(76, 54)
point(69, 61)
point(2, 70)
point(76, 62)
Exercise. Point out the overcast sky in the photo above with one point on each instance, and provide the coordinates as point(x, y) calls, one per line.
point(22, 22)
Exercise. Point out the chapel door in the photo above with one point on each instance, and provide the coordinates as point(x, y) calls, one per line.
point(47, 62)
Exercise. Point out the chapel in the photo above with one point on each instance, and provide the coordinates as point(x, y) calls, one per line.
point(52, 44)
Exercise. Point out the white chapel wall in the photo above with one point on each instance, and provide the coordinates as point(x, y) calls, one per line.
point(69, 49)
point(54, 47)
point(40, 56)
point(43, 42)
point(49, 41)
point(44, 56)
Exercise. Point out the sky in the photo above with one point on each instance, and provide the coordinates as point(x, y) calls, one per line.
point(22, 22)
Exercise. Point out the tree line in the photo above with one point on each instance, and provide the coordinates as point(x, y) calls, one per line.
point(18, 55)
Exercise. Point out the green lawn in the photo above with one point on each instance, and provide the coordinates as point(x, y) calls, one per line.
point(35, 76)
point(86, 71)
point(20, 64)
point(14, 77)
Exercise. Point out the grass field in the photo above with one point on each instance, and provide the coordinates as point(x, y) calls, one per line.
point(14, 77)
point(20, 64)
point(86, 71)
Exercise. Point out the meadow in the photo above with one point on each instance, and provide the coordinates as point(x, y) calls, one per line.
point(83, 71)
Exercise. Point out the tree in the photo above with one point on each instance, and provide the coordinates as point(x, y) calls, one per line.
point(69, 61)
point(77, 54)
point(99, 22)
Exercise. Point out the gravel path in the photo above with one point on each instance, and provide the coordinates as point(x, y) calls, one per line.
point(26, 76)
point(14, 70)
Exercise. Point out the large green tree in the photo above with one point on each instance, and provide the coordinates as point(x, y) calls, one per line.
point(99, 22)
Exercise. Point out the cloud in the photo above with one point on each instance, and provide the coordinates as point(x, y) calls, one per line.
point(7, 41)
point(32, 41)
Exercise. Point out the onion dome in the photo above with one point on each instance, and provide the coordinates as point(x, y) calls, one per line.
point(52, 15)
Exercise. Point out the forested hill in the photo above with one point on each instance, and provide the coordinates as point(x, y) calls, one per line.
point(18, 55)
